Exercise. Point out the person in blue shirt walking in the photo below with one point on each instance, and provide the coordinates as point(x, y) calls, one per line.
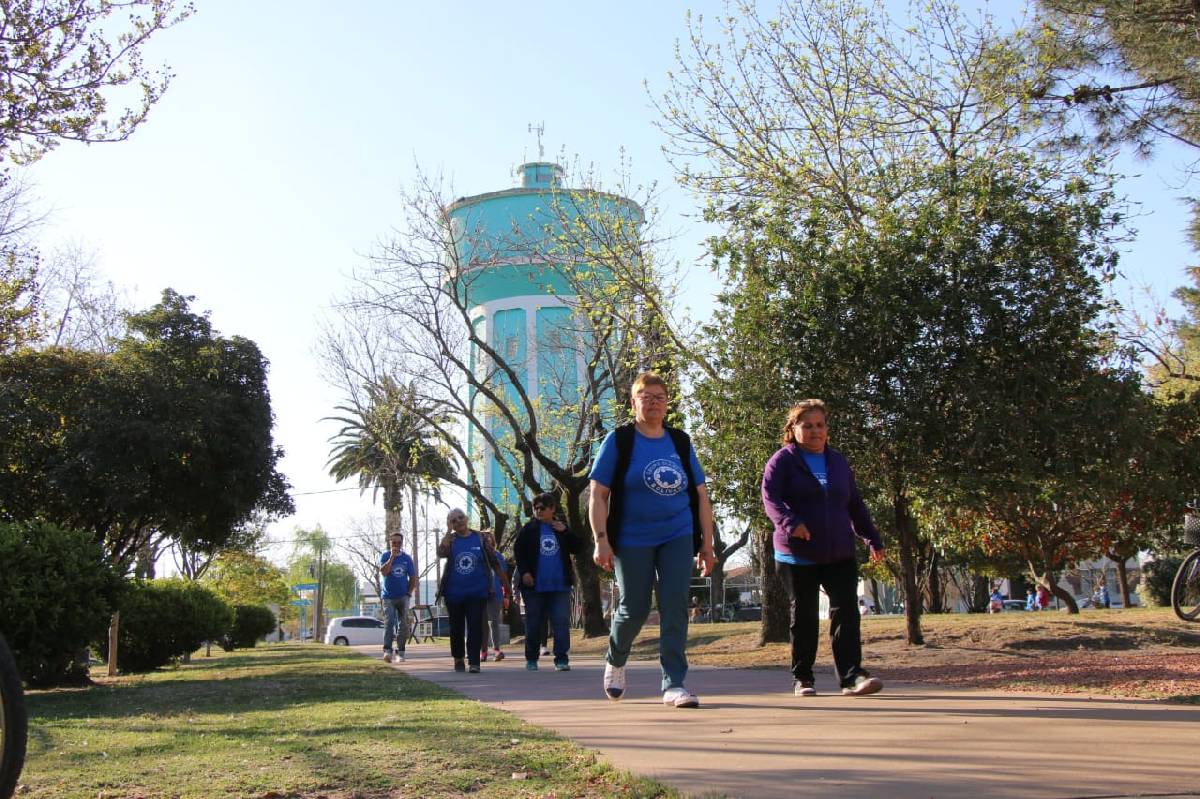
point(466, 586)
point(545, 579)
point(497, 602)
point(650, 514)
point(399, 584)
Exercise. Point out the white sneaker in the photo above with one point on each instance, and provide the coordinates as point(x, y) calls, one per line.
point(545, 650)
point(614, 681)
point(387, 657)
point(399, 658)
point(680, 697)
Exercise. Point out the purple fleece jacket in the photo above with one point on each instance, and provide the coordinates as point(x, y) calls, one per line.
point(833, 514)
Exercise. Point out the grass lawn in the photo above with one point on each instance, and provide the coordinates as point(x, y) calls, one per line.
point(1140, 652)
point(290, 720)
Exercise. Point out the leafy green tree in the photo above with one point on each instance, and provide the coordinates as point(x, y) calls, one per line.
point(244, 578)
point(65, 60)
point(163, 621)
point(167, 438)
point(312, 561)
point(388, 444)
point(250, 623)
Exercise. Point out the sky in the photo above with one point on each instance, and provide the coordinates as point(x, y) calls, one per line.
point(275, 161)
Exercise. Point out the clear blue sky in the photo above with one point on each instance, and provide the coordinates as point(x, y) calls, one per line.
point(275, 159)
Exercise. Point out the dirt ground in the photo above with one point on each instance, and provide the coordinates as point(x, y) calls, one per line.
point(1140, 652)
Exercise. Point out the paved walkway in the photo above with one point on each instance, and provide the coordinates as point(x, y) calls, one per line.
point(752, 738)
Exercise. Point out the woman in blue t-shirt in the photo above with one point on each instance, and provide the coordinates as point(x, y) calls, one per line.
point(545, 576)
point(466, 586)
point(650, 514)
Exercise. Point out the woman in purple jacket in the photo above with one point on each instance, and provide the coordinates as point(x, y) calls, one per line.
point(808, 491)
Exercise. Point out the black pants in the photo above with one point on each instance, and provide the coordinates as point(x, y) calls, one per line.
point(466, 614)
point(840, 581)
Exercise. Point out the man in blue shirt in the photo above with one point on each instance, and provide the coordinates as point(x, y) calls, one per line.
point(399, 584)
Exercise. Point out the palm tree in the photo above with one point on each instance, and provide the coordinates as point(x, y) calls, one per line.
point(388, 444)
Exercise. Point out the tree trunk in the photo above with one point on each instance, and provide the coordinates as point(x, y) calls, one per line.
point(586, 570)
point(936, 602)
point(393, 508)
point(1049, 581)
point(113, 627)
point(1122, 580)
point(908, 546)
point(776, 607)
point(717, 588)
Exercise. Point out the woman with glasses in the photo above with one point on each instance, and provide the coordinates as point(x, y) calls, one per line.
point(467, 584)
point(545, 577)
point(650, 515)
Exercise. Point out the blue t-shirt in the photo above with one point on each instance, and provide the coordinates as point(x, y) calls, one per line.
point(655, 503)
point(816, 465)
point(466, 571)
point(396, 582)
point(550, 563)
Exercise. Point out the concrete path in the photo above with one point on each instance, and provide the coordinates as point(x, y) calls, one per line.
point(753, 738)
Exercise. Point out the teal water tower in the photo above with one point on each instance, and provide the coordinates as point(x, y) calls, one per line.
point(510, 266)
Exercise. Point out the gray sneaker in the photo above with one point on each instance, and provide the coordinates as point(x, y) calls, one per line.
point(862, 686)
point(805, 688)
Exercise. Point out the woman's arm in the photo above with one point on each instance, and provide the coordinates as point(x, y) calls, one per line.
point(598, 518)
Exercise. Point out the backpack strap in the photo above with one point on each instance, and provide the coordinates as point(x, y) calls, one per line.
point(616, 503)
point(683, 447)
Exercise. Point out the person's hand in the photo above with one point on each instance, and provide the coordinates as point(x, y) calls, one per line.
point(801, 531)
point(527, 580)
point(705, 561)
point(507, 602)
point(603, 556)
point(878, 555)
point(558, 525)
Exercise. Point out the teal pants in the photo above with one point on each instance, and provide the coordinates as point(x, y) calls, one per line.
point(636, 569)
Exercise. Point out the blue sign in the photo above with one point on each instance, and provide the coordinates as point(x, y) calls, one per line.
point(298, 587)
point(302, 602)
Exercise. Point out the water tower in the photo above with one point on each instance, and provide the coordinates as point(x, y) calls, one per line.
point(511, 261)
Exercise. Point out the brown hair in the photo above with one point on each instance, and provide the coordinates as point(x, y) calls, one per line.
point(795, 412)
point(647, 379)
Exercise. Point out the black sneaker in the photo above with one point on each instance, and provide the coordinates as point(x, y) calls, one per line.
point(473, 668)
point(862, 686)
point(805, 688)
point(460, 664)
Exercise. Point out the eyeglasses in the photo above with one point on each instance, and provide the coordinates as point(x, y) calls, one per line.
point(652, 397)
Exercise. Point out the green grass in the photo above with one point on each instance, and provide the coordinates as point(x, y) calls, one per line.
point(297, 721)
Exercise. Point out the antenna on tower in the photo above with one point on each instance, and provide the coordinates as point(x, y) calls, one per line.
point(539, 129)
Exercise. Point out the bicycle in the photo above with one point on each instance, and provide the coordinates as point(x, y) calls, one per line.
point(13, 729)
point(1185, 590)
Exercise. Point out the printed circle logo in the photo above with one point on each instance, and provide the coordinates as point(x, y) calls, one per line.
point(465, 563)
point(664, 477)
point(549, 545)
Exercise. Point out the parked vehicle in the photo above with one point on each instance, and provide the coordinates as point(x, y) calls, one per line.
point(354, 631)
point(1014, 604)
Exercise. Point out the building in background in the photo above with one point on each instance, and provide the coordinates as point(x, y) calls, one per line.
point(519, 256)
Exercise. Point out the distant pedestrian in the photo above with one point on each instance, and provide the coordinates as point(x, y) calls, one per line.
point(650, 514)
point(1031, 600)
point(1104, 598)
point(1043, 598)
point(466, 587)
point(809, 493)
point(996, 601)
point(497, 603)
point(545, 576)
point(399, 584)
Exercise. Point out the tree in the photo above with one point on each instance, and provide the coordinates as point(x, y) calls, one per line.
point(64, 60)
point(243, 578)
point(387, 443)
point(311, 562)
point(168, 438)
point(817, 137)
point(1107, 73)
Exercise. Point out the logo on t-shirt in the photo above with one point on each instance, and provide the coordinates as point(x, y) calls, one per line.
point(465, 562)
point(664, 477)
point(549, 545)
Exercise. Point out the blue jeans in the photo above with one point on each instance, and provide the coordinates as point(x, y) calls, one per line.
point(395, 625)
point(636, 568)
point(557, 606)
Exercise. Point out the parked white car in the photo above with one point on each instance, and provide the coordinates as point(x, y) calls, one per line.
point(354, 631)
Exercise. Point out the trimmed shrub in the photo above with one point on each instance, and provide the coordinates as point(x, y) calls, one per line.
point(57, 595)
point(1157, 576)
point(163, 620)
point(250, 622)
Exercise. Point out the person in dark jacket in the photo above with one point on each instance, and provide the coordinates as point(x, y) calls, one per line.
point(809, 493)
point(545, 577)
